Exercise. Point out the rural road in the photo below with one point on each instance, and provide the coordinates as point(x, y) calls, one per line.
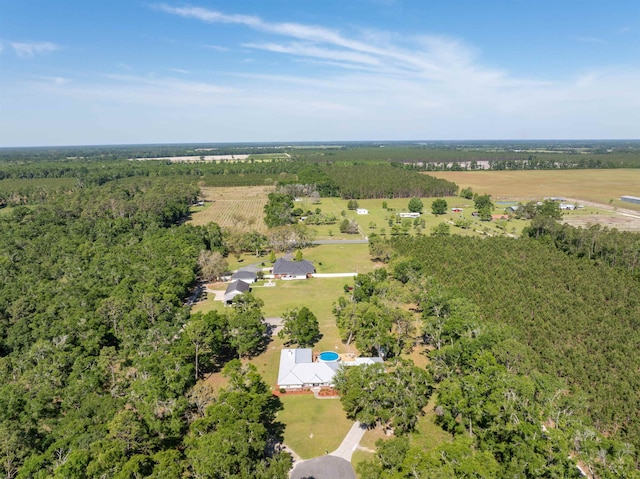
point(360, 241)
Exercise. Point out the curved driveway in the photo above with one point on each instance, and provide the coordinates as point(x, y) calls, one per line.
point(336, 465)
point(325, 467)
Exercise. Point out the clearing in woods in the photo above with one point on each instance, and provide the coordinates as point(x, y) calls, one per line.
point(239, 207)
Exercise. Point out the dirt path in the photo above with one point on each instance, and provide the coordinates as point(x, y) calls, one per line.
point(622, 219)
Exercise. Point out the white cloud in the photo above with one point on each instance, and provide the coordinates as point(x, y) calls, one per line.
point(31, 49)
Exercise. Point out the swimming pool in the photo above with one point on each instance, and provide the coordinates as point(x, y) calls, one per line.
point(328, 357)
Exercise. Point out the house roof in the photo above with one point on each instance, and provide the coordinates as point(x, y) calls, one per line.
point(242, 275)
point(234, 289)
point(297, 368)
point(296, 268)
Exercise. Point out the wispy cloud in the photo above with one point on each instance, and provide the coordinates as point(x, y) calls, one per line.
point(591, 40)
point(31, 49)
point(52, 80)
point(431, 57)
point(218, 48)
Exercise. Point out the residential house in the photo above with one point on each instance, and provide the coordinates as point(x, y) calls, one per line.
point(234, 289)
point(246, 276)
point(298, 370)
point(285, 269)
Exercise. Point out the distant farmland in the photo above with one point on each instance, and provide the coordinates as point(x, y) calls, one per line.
point(233, 207)
point(599, 186)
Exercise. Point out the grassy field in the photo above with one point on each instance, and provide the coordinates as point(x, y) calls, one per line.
point(314, 426)
point(600, 186)
point(242, 208)
point(377, 219)
point(317, 294)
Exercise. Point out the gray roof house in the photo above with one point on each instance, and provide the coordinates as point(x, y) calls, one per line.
point(246, 276)
point(284, 268)
point(234, 289)
point(298, 370)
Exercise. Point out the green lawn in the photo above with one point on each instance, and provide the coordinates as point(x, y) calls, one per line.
point(317, 294)
point(340, 258)
point(377, 219)
point(313, 426)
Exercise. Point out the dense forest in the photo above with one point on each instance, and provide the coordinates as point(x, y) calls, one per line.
point(506, 415)
point(580, 318)
point(98, 357)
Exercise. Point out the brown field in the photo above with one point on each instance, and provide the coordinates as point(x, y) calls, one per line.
point(598, 190)
point(233, 207)
point(600, 186)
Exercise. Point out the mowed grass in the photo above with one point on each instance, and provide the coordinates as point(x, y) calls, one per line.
point(600, 186)
point(314, 427)
point(317, 294)
point(340, 258)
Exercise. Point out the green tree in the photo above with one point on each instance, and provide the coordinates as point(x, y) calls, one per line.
point(467, 193)
point(439, 206)
point(483, 201)
point(391, 395)
point(415, 205)
point(247, 329)
point(441, 229)
point(278, 210)
point(549, 209)
point(232, 440)
point(301, 327)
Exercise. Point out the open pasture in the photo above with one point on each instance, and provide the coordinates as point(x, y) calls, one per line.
point(599, 186)
point(233, 207)
point(598, 190)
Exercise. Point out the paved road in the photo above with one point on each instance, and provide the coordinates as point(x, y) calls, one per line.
point(360, 241)
point(325, 467)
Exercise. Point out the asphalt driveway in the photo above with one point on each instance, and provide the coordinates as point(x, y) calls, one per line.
point(325, 467)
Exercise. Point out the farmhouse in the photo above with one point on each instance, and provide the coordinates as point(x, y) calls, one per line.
point(298, 370)
point(409, 215)
point(285, 269)
point(234, 289)
point(362, 211)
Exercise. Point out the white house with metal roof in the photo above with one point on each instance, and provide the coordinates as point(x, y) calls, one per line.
point(298, 370)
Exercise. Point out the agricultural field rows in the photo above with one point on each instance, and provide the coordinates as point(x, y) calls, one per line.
point(233, 207)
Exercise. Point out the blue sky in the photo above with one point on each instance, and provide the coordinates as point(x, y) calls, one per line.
point(128, 71)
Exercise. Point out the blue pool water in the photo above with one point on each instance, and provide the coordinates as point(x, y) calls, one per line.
point(328, 356)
